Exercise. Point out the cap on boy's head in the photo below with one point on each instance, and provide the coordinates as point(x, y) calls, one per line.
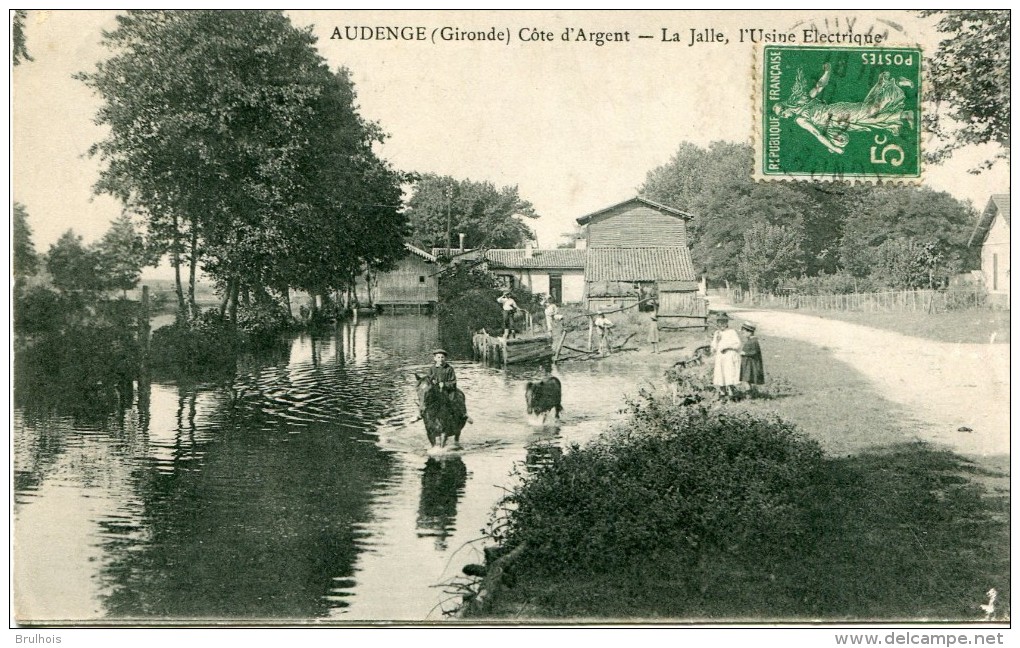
point(440, 351)
point(747, 326)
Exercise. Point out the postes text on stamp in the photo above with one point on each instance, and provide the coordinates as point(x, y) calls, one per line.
point(837, 113)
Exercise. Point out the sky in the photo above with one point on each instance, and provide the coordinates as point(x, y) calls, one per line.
point(574, 125)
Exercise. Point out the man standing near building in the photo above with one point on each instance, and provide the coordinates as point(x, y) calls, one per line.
point(506, 300)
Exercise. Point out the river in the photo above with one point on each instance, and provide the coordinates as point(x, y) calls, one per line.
point(300, 488)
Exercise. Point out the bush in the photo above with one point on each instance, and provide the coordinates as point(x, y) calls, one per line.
point(206, 343)
point(40, 311)
point(261, 323)
point(674, 481)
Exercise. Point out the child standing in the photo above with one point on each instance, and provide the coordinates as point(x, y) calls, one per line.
point(653, 326)
point(752, 370)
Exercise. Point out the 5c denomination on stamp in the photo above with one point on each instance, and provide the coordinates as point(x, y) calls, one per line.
point(837, 113)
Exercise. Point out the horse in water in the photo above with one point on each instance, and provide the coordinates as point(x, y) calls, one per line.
point(440, 414)
point(543, 397)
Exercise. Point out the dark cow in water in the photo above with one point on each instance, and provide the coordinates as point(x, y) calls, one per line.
point(440, 414)
point(543, 397)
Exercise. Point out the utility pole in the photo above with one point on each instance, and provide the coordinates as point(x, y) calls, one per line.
point(449, 199)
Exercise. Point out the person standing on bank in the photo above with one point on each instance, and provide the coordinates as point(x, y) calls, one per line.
point(752, 370)
point(653, 326)
point(552, 315)
point(442, 374)
point(726, 346)
point(509, 304)
point(604, 327)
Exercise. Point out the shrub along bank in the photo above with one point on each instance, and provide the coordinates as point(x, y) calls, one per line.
point(696, 510)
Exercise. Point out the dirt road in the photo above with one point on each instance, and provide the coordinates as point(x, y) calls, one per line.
point(945, 386)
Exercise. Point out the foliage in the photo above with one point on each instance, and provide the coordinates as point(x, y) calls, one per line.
point(206, 343)
point(674, 481)
point(826, 229)
point(75, 268)
point(467, 304)
point(969, 74)
point(19, 50)
point(716, 187)
point(771, 254)
point(41, 311)
point(263, 322)
point(229, 133)
point(74, 351)
point(24, 260)
point(921, 214)
point(484, 214)
point(122, 255)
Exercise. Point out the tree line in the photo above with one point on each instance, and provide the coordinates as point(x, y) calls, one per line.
point(242, 155)
point(833, 236)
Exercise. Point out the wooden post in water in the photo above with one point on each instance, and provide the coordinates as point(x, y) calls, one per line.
point(143, 323)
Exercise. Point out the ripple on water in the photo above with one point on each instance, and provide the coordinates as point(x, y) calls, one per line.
point(309, 478)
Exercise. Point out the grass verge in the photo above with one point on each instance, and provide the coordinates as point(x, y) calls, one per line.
point(979, 326)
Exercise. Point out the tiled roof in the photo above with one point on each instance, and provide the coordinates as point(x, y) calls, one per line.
point(654, 205)
point(639, 264)
point(560, 259)
point(419, 252)
point(999, 203)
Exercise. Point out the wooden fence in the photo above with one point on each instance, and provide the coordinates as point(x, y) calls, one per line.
point(930, 301)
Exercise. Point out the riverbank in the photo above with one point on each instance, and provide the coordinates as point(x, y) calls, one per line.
point(901, 528)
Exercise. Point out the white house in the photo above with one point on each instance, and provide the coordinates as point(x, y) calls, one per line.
point(557, 273)
point(992, 234)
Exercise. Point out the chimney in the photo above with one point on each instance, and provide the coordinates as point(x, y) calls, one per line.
point(581, 243)
point(461, 235)
point(528, 251)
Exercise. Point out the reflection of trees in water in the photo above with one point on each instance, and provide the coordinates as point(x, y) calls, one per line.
point(442, 485)
point(246, 497)
point(258, 530)
point(262, 505)
point(85, 376)
point(406, 335)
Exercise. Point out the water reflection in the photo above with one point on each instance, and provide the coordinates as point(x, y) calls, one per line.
point(442, 484)
point(296, 487)
point(543, 453)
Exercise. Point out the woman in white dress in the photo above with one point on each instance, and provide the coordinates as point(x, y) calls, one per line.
point(726, 345)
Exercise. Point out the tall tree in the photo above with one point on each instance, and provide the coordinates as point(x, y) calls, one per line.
point(771, 254)
point(74, 268)
point(716, 187)
point(908, 213)
point(122, 254)
point(217, 134)
point(24, 260)
point(968, 82)
point(443, 207)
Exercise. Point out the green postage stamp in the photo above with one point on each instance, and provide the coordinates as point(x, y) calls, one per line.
point(839, 113)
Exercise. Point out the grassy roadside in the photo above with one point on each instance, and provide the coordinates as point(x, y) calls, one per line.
point(976, 326)
point(893, 529)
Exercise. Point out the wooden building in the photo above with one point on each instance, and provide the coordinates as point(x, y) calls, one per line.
point(992, 233)
point(637, 250)
point(637, 222)
point(413, 286)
